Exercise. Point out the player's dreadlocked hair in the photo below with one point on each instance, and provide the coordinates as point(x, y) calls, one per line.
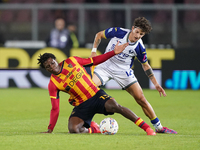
point(44, 57)
point(143, 24)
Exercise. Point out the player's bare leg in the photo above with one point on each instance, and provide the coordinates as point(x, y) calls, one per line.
point(136, 91)
point(75, 125)
point(112, 106)
point(96, 80)
point(138, 95)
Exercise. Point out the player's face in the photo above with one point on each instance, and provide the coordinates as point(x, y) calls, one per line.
point(51, 65)
point(136, 34)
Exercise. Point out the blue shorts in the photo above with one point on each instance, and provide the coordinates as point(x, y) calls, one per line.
point(94, 105)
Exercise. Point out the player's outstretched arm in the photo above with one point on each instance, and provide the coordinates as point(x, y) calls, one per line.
point(53, 115)
point(149, 72)
point(97, 41)
point(103, 57)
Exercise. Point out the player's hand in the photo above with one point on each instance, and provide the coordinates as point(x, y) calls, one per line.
point(119, 48)
point(160, 90)
point(49, 131)
point(93, 54)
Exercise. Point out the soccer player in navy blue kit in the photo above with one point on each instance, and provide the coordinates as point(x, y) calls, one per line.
point(119, 66)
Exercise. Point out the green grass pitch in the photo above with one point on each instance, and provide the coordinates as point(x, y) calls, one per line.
point(24, 113)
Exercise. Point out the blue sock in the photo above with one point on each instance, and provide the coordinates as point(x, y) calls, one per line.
point(156, 123)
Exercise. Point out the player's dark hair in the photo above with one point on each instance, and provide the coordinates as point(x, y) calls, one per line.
point(143, 24)
point(44, 57)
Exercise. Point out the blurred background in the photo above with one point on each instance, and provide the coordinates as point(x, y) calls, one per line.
point(27, 24)
point(176, 21)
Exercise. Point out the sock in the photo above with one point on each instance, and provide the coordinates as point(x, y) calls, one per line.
point(140, 123)
point(156, 123)
point(92, 130)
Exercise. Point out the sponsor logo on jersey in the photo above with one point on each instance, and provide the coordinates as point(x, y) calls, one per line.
point(145, 58)
point(123, 55)
point(112, 47)
point(76, 78)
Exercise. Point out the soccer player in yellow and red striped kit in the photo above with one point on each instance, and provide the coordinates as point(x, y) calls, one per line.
point(71, 77)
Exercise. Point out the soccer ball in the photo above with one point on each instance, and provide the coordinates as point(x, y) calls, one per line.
point(108, 126)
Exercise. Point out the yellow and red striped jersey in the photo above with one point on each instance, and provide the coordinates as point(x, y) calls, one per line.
point(74, 80)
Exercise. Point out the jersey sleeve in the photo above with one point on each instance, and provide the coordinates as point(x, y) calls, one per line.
point(114, 32)
point(141, 53)
point(95, 60)
point(86, 62)
point(54, 95)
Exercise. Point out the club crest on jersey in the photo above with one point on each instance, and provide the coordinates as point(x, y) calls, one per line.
point(131, 51)
point(70, 66)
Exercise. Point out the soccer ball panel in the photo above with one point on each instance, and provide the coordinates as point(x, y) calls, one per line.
point(109, 126)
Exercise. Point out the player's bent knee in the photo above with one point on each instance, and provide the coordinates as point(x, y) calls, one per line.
point(141, 101)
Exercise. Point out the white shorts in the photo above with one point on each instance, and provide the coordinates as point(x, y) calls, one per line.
point(124, 78)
